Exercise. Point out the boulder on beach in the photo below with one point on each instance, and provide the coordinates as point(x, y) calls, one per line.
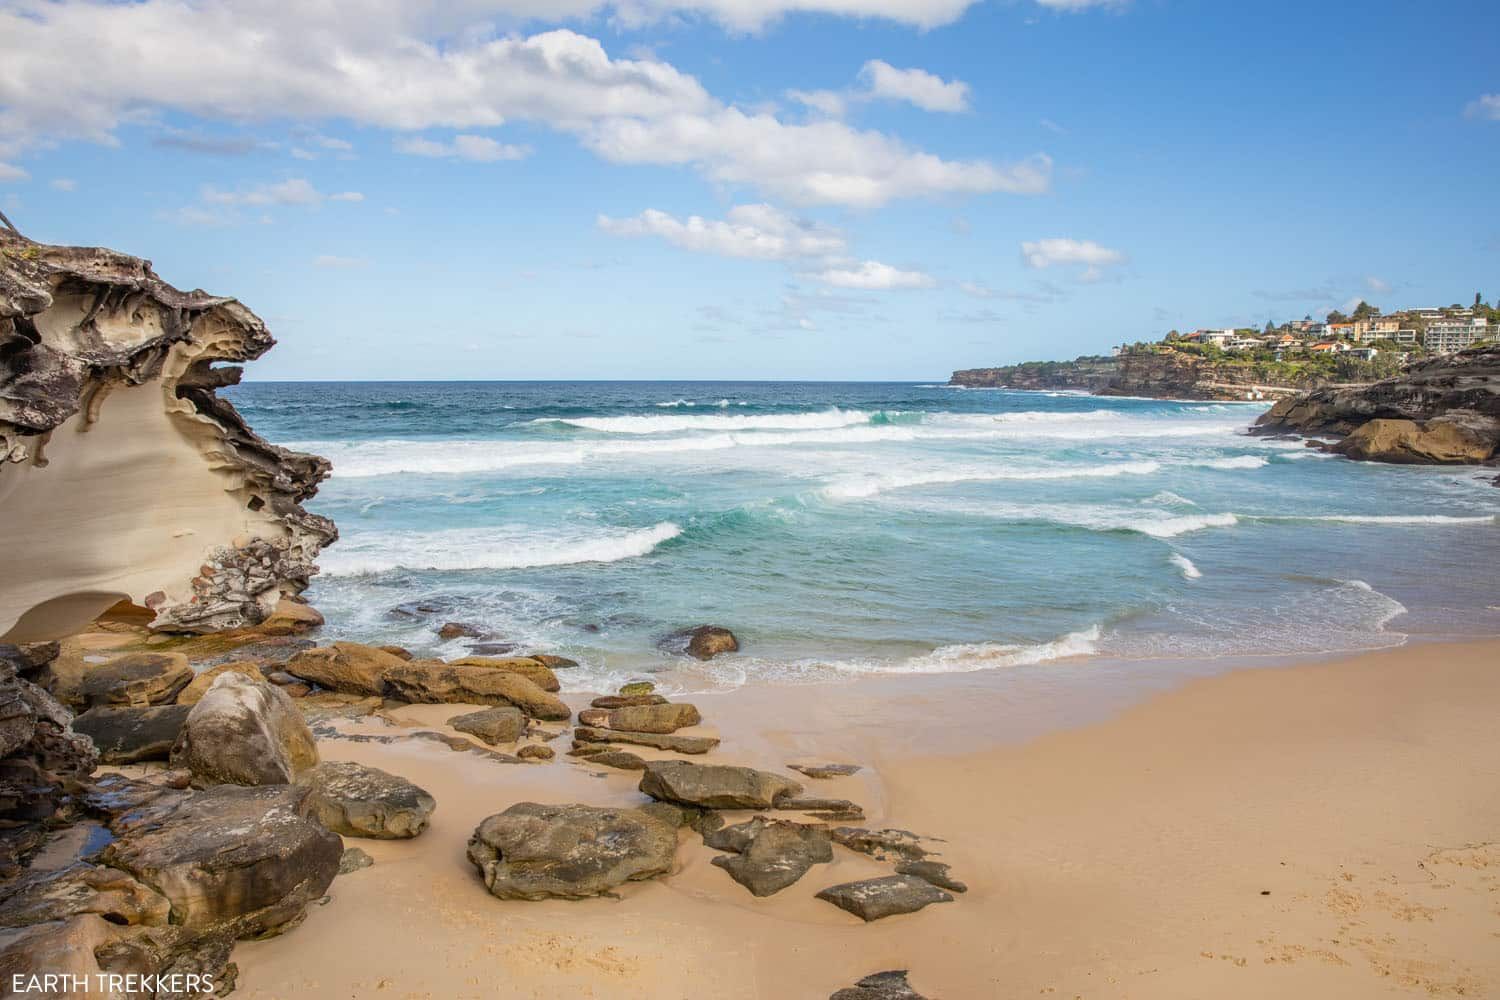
point(240, 861)
point(533, 851)
point(932, 871)
point(824, 771)
point(664, 718)
point(659, 741)
point(244, 732)
point(714, 786)
point(129, 734)
point(880, 844)
point(637, 688)
point(610, 702)
point(771, 854)
point(42, 896)
point(346, 667)
point(536, 752)
point(133, 679)
point(528, 667)
point(704, 642)
point(500, 724)
point(433, 682)
point(874, 898)
point(290, 617)
point(1457, 437)
point(552, 662)
point(622, 760)
point(449, 631)
point(881, 986)
point(360, 801)
point(193, 693)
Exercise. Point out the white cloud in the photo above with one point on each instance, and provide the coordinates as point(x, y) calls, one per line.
point(478, 148)
point(296, 191)
point(1059, 251)
point(334, 262)
point(1485, 106)
point(872, 275)
point(9, 172)
point(827, 102)
point(63, 184)
point(761, 232)
point(1073, 6)
point(823, 162)
point(238, 60)
point(347, 196)
point(1378, 285)
point(915, 86)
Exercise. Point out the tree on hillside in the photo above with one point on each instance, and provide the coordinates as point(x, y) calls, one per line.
point(1270, 327)
point(1337, 317)
point(1478, 300)
point(1364, 309)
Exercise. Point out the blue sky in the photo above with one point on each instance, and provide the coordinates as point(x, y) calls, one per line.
point(839, 189)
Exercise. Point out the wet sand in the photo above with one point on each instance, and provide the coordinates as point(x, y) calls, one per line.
point(1323, 830)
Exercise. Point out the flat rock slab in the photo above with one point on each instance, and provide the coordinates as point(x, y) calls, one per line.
point(39, 897)
point(360, 801)
point(346, 667)
point(624, 760)
point(242, 861)
point(880, 844)
point(528, 667)
point(932, 871)
point(827, 807)
point(664, 718)
point(677, 744)
point(129, 735)
point(875, 898)
point(533, 851)
point(431, 682)
point(353, 859)
point(881, 986)
point(714, 786)
point(134, 679)
point(825, 771)
point(610, 702)
point(501, 724)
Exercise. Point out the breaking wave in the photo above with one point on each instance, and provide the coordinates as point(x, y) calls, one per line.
point(1183, 563)
point(509, 547)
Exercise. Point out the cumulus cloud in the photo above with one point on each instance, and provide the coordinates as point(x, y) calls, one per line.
point(63, 184)
point(10, 172)
point(330, 261)
point(479, 148)
point(822, 162)
point(1094, 258)
point(1485, 106)
point(246, 60)
point(760, 232)
point(915, 86)
point(1073, 6)
point(872, 275)
point(296, 191)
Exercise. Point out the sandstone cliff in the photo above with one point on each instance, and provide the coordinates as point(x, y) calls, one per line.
point(1443, 411)
point(122, 475)
point(1088, 374)
point(1162, 374)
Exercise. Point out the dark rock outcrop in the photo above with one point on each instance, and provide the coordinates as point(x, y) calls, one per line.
point(1443, 411)
point(106, 371)
point(44, 766)
point(533, 851)
point(770, 854)
point(881, 986)
point(129, 735)
point(703, 643)
point(874, 898)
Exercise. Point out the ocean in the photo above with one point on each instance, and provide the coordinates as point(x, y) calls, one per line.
point(847, 529)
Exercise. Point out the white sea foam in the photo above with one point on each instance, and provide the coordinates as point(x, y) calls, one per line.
point(506, 547)
point(858, 489)
point(1169, 499)
point(672, 404)
point(1391, 519)
point(1155, 524)
point(1183, 563)
point(1237, 462)
point(819, 420)
point(968, 657)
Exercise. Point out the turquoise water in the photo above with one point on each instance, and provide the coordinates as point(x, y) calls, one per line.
point(842, 529)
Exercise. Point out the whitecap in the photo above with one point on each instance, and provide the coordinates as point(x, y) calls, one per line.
point(1183, 563)
point(501, 548)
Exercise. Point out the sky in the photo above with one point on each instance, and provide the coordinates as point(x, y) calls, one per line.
point(758, 189)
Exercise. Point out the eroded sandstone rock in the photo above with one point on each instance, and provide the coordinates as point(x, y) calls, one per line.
point(431, 682)
point(714, 786)
point(528, 667)
point(359, 801)
point(771, 854)
point(345, 667)
point(881, 986)
point(875, 898)
point(676, 744)
point(501, 724)
point(107, 372)
point(703, 643)
point(129, 735)
point(244, 732)
point(664, 718)
point(198, 687)
point(533, 851)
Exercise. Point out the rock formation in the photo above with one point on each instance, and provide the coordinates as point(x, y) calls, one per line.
point(122, 475)
point(1443, 411)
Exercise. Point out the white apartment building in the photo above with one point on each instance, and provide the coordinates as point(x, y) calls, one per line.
point(1446, 336)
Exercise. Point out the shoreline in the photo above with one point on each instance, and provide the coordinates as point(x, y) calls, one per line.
point(1114, 849)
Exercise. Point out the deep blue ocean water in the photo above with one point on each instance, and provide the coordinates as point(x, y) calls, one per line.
point(843, 528)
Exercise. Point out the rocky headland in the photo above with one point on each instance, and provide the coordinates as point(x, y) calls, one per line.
point(108, 376)
point(1441, 412)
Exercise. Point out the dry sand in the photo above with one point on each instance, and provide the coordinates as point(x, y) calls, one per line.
point(1325, 830)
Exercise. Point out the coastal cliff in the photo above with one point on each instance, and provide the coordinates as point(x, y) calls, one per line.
point(1161, 374)
point(123, 477)
point(1444, 411)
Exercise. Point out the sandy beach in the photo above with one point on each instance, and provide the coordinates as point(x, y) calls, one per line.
point(1319, 830)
